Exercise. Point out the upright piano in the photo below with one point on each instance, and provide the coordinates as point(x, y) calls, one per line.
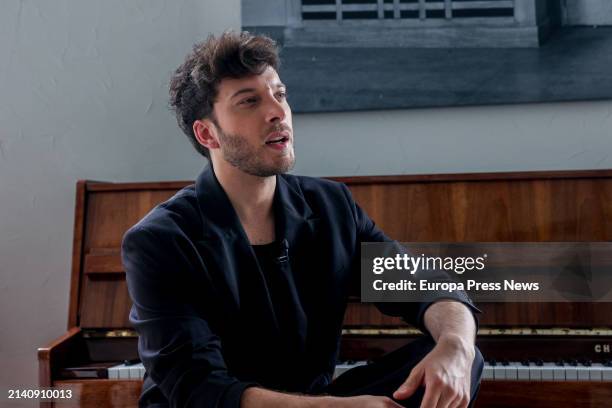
point(538, 354)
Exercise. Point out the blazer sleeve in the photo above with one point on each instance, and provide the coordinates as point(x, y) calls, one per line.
point(411, 312)
point(180, 352)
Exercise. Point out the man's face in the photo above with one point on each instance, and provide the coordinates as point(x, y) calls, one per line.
point(253, 124)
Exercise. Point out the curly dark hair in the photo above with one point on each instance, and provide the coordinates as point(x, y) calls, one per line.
point(195, 84)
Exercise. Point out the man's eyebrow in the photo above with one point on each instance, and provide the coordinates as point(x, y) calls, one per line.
point(241, 91)
point(247, 90)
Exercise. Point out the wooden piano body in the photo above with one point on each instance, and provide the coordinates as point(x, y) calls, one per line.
point(492, 207)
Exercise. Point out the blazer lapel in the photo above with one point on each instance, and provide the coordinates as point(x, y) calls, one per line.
point(295, 221)
point(224, 235)
point(296, 225)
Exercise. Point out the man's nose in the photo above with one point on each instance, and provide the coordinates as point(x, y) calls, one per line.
point(275, 111)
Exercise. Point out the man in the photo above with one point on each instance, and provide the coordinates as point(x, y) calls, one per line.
point(240, 282)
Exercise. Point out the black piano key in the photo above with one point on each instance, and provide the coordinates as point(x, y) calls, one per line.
point(525, 362)
point(505, 363)
point(539, 362)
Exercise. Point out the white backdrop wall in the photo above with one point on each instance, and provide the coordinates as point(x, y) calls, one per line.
point(83, 88)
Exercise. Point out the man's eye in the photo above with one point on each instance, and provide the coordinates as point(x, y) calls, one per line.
point(248, 101)
point(282, 95)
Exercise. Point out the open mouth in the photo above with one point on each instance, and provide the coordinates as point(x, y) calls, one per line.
point(278, 140)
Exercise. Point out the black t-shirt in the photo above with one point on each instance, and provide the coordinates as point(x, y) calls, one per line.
point(272, 261)
point(287, 314)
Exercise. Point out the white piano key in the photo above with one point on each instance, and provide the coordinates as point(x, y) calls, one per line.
point(522, 373)
point(595, 372)
point(606, 373)
point(124, 372)
point(535, 372)
point(499, 372)
point(571, 373)
point(559, 373)
point(547, 371)
point(135, 372)
point(511, 373)
point(113, 373)
point(487, 372)
point(583, 373)
point(142, 370)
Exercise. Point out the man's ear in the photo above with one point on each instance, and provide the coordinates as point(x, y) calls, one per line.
point(206, 133)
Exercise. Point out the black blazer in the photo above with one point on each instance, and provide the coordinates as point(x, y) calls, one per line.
point(201, 305)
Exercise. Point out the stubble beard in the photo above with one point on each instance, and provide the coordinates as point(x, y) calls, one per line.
point(240, 154)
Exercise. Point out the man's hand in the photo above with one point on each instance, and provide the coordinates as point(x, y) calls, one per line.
point(445, 373)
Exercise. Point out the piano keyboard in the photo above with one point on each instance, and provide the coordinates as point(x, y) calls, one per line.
point(547, 371)
point(137, 371)
point(532, 371)
point(126, 372)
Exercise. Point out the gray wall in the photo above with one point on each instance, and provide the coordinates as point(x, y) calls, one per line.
point(456, 140)
point(83, 95)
